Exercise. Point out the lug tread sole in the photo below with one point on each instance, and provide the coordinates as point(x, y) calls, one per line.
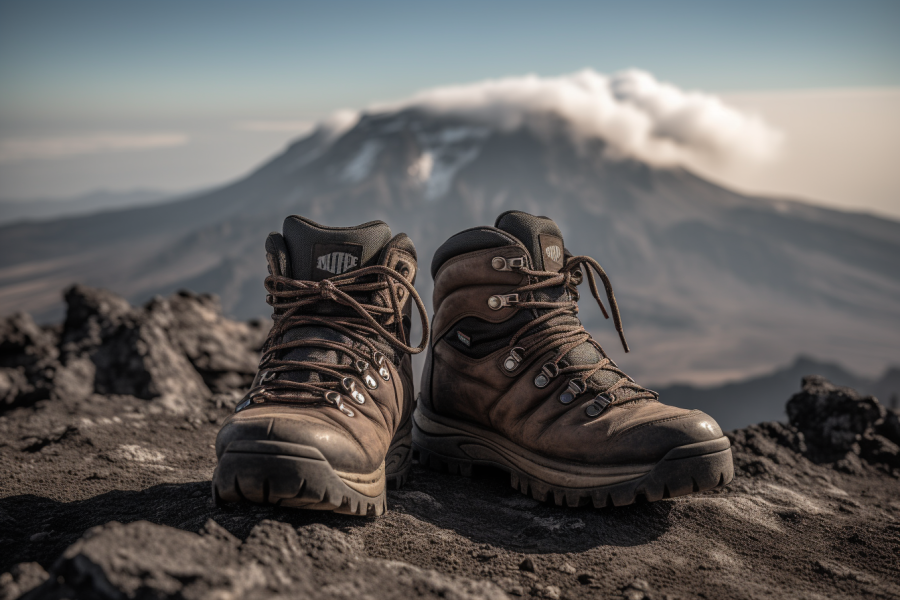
point(669, 478)
point(303, 482)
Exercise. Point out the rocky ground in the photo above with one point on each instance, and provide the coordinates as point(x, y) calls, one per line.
point(107, 426)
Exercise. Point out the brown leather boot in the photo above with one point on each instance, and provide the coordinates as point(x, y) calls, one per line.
point(513, 380)
point(327, 421)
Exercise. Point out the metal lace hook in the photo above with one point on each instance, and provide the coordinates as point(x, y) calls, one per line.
point(337, 401)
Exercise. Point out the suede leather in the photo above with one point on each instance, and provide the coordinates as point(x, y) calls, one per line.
point(355, 444)
point(483, 393)
point(475, 268)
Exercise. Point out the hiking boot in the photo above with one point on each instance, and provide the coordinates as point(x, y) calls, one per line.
point(327, 420)
point(513, 380)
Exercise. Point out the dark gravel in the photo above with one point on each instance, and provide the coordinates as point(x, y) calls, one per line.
point(105, 480)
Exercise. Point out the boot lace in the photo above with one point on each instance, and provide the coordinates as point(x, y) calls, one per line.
point(289, 297)
point(558, 327)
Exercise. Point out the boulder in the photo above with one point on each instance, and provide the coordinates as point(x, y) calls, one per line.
point(143, 560)
point(174, 351)
point(836, 421)
point(28, 360)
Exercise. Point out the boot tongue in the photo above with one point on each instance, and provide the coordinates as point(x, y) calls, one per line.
point(539, 234)
point(544, 240)
point(318, 252)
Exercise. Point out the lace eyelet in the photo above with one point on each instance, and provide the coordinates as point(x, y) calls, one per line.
point(601, 401)
point(266, 375)
point(362, 367)
point(379, 359)
point(548, 372)
point(499, 263)
point(575, 388)
point(512, 362)
point(250, 398)
point(502, 300)
point(337, 401)
point(350, 386)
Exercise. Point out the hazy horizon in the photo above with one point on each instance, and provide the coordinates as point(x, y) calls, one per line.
point(104, 96)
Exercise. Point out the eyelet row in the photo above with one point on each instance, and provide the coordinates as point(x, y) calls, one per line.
point(349, 385)
point(332, 397)
point(575, 388)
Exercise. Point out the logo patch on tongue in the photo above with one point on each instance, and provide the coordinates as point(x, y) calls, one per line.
point(335, 259)
point(551, 252)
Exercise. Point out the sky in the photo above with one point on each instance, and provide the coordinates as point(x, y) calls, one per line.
point(180, 96)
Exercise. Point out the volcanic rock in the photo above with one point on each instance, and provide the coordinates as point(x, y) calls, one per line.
point(176, 351)
point(837, 421)
point(105, 493)
point(20, 579)
point(27, 357)
point(143, 560)
point(224, 352)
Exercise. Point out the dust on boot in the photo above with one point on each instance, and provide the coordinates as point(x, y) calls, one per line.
point(512, 379)
point(327, 421)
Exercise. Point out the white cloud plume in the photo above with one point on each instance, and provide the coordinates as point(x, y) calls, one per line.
point(637, 115)
point(337, 124)
point(30, 148)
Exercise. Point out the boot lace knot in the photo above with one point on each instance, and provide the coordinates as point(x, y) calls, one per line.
point(556, 326)
point(364, 312)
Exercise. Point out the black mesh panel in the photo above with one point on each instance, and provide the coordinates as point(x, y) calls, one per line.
point(526, 228)
point(485, 338)
point(470, 240)
point(301, 235)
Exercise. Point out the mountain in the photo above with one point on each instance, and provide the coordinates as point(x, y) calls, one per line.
point(755, 400)
point(713, 285)
point(54, 208)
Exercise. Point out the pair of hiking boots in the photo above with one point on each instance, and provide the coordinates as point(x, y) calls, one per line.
point(511, 378)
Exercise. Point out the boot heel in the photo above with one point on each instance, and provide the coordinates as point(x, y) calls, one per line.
point(442, 463)
point(436, 452)
point(399, 459)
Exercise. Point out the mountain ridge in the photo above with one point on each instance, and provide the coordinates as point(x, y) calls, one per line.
point(741, 403)
point(713, 284)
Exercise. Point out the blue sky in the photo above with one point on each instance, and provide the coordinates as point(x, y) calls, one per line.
point(73, 67)
point(74, 61)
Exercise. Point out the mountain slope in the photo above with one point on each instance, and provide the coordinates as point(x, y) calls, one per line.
point(742, 403)
point(713, 285)
point(19, 210)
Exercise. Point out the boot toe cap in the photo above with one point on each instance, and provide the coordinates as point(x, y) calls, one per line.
point(342, 451)
point(650, 442)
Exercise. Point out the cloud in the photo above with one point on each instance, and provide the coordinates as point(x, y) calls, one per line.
point(637, 115)
point(276, 126)
point(31, 148)
point(337, 124)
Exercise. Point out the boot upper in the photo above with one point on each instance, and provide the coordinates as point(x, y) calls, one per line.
point(335, 372)
point(552, 390)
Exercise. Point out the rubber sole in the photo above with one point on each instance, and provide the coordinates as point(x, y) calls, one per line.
point(444, 444)
point(299, 476)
